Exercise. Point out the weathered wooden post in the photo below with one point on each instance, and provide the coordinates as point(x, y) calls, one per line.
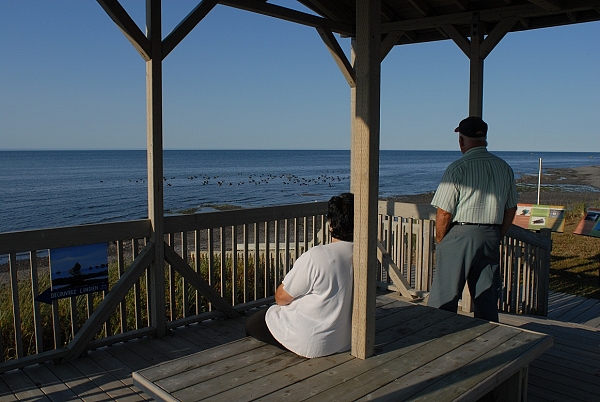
point(156, 278)
point(365, 173)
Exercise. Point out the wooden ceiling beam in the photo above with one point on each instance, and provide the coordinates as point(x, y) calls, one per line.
point(335, 11)
point(129, 28)
point(464, 5)
point(487, 15)
point(287, 14)
point(422, 7)
point(550, 5)
point(186, 26)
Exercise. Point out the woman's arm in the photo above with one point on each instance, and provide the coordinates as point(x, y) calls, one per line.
point(282, 297)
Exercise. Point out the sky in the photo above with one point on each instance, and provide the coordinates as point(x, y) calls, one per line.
point(70, 80)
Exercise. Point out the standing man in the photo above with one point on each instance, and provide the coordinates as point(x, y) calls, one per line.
point(476, 202)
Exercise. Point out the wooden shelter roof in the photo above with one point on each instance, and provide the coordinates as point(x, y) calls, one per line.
point(417, 21)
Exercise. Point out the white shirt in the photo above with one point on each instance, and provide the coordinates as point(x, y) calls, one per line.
point(318, 322)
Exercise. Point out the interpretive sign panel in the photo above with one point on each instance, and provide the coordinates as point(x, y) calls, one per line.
point(590, 224)
point(536, 217)
point(76, 271)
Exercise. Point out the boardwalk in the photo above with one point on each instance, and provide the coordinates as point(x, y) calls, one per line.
point(569, 371)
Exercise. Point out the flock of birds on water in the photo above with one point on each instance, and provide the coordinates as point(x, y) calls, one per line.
point(261, 179)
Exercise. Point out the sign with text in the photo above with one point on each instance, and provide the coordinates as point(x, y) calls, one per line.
point(590, 224)
point(536, 217)
point(76, 271)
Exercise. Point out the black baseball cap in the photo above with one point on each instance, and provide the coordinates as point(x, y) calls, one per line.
point(473, 127)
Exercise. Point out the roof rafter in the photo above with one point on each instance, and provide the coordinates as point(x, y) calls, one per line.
point(551, 5)
point(338, 55)
point(129, 28)
point(186, 26)
point(288, 14)
point(464, 18)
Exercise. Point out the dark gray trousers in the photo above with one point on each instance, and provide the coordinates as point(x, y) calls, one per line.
point(468, 254)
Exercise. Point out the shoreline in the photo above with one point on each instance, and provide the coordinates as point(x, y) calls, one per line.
point(557, 189)
point(560, 186)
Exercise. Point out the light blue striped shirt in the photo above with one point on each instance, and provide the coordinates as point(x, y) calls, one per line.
point(477, 188)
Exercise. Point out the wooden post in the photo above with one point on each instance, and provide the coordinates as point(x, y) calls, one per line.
point(156, 276)
point(365, 173)
point(476, 69)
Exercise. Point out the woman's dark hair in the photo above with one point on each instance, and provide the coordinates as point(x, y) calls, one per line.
point(340, 212)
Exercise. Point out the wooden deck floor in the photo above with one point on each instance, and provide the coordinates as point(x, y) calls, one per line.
point(569, 371)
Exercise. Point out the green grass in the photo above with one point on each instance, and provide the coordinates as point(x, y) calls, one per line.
point(193, 304)
point(575, 259)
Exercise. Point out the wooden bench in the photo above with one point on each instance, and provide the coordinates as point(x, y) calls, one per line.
point(422, 353)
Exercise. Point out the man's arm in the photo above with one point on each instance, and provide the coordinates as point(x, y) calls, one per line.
point(509, 215)
point(443, 221)
point(282, 297)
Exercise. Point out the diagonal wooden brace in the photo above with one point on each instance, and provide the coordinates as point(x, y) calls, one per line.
point(110, 303)
point(196, 280)
point(394, 272)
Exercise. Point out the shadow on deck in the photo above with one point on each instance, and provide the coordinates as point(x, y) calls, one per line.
point(569, 371)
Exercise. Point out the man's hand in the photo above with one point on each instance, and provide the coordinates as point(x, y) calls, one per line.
point(282, 297)
point(443, 221)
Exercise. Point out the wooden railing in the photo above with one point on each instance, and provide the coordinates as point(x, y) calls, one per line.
point(216, 264)
point(407, 232)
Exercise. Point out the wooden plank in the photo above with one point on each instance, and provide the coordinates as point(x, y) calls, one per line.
point(582, 392)
point(590, 308)
point(22, 387)
point(198, 360)
point(415, 211)
point(230, 380)
point(50, 384)
point(109, 375)
point(417, 335)
point(370, 376)
point(280, 378)
point(190, 222)
point(16, 308)
point(564, 306)
point(6, 394)
point(511, 351)
point(218, 376)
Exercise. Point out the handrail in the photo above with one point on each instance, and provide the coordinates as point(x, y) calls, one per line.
point(220, 259)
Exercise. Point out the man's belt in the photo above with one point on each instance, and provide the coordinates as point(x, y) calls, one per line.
point(494, 225)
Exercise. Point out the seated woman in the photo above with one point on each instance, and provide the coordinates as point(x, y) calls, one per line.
point(313, 314)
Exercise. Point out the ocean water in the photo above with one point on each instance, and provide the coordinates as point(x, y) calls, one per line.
point(43, 189)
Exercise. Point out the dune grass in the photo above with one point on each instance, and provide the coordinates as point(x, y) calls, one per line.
point(575, 259)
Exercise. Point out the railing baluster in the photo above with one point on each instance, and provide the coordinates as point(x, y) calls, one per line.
point(121, 270)
point(184, 288)
point(37, 317)
point(211, 260)
point(267, 270)
point(234, 265)
point(245, 256)
point(137, 307)
point(256, 260)
point(286, 267)
point(277, 273)
point(223, 247)
point(171, 285)
point(14, 288)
